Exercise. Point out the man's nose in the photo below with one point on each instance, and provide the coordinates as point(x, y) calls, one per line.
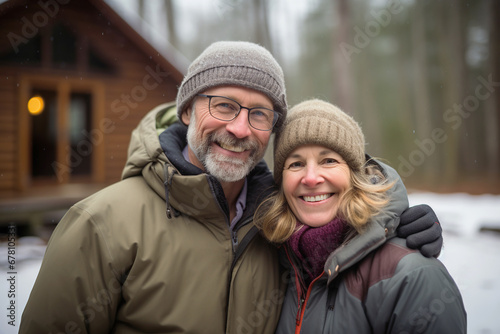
point(239, 126)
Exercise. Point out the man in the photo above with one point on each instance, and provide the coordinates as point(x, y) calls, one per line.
point(172, 248)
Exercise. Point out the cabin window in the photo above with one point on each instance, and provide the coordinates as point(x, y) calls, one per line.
point(59, 48)
point(61, 151)
point(63, 47)
point(27, 54)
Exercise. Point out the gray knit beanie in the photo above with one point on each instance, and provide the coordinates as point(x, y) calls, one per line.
point(319, 122)
point(235, 63)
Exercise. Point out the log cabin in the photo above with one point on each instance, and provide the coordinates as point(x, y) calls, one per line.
point(75, 79)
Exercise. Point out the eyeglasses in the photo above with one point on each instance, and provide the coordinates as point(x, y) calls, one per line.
point(226, 109)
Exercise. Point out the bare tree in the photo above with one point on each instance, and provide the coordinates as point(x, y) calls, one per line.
point(422, 99)
point(141, 8)
point(493, 105)
point(262, 36)
point(341, 68)
point(368, 112)
point(170, 13)
point(451, 47)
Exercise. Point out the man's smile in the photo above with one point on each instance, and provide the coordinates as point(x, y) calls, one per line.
point(232, 148)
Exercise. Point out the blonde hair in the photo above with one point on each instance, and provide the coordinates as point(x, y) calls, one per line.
point(358, 204)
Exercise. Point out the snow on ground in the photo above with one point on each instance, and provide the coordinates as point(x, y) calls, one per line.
point(28, 257)
point(472, 257)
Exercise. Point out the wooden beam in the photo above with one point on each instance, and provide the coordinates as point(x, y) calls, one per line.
point(23, 136)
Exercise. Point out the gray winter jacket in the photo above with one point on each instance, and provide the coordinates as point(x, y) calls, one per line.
point(374, 284)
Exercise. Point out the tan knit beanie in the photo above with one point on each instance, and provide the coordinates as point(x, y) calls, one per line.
point(319, 122)
point(235, 63)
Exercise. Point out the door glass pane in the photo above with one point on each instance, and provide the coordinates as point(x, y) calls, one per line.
point(44, 136)
point(81, 140)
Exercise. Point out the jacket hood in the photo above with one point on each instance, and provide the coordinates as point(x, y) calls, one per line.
point(155, 153)
point(380, 229)
point(145, 155)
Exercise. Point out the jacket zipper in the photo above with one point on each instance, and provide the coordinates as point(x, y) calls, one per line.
point(299, 312)
point(301, 298)
point(235, 243)
point(167, 183)
point(302, 306)
point(234, 240)
point(299, 285)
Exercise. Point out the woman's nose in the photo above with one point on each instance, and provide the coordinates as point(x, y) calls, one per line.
point(312, 175)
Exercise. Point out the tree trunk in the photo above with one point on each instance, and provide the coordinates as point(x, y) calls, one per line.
point(451, 34)
point(172, 32)
point(262, 24)
point(371, 123)
point(421, 161)
point(493, 105)
point(141, 9)
point(341, 67)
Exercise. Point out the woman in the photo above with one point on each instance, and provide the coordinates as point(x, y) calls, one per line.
point(335, 215)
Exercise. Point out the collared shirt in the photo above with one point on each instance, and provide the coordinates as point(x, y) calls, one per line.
point(241, 202)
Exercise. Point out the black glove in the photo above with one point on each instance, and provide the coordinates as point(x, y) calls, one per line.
point(420, 226)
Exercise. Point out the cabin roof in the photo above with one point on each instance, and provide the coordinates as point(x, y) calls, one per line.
point(165, 54)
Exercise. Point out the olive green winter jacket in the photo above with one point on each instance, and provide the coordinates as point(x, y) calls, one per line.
point(153, 253)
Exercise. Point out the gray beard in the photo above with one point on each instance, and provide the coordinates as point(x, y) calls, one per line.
point(223, 168)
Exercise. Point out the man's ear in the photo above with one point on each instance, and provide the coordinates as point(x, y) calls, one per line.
point(186, 115)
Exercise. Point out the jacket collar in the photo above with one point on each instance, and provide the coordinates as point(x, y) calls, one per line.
point(380, 229)
point(172, 141)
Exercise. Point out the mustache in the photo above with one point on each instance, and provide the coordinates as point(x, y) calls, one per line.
point(229, 139)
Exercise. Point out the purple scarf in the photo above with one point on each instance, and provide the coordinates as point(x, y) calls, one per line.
point(312, 245)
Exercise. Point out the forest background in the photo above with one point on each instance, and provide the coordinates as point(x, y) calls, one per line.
point(421, 77)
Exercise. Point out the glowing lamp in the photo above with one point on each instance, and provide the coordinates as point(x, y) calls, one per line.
point(36, 105)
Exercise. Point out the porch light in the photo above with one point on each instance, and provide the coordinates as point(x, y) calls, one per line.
point(36, 105)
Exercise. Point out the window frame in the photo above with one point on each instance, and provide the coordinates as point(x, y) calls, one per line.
point(63, 86)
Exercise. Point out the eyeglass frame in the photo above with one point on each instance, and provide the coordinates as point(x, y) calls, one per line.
point(275, 113)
